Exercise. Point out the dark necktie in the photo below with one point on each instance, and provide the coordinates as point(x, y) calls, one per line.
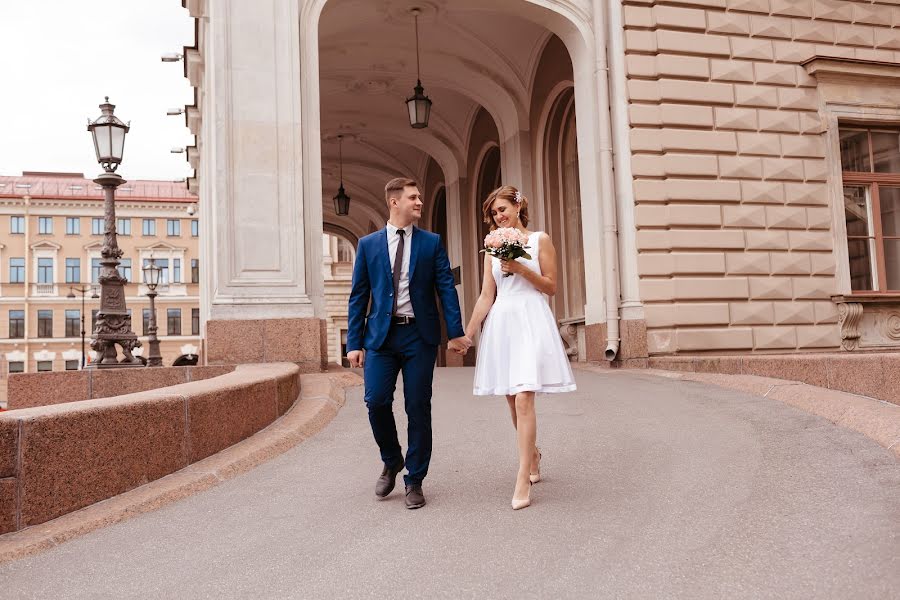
point(398, 265)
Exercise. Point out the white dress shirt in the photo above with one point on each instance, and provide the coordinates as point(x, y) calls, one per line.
point(404, 305)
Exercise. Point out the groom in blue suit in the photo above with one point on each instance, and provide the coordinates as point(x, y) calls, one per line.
point(397, 272)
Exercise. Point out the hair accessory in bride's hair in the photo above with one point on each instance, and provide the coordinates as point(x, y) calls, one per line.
point(518, 197)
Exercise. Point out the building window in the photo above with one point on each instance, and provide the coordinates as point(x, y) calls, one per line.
point(16, 324)
point(176, 270)
point(148, 227)
point(870, 161)
point(146, 323)
point(73, 270)
point(123, 226)
point(174, 321)
point(72, 323)
point(45, 270)
point(195, 228)
point(17, 224)
point(95, 270)
point(195, 321)
point(45, 225)
point(72, 365)
point(17, 270)
point(16, 366)
point(195, 270)
point(96, 226)
point(73, 225)
point(44, 365)
point(45, 323)
point(125, 268)
point(173, 227)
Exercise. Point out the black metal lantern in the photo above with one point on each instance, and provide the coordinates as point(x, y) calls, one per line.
point(418, 105)
point(341, 199)
point(109, 137)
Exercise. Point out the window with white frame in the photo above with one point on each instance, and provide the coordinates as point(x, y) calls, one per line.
point(96, 226)
point(870, 164)
point(73, 225)
point(45, 225)
point(123, 226)
point(173, 227)
point(148, 227)
point(45, 270)
point(17, 270)
point(73, 270)
point(17, 225)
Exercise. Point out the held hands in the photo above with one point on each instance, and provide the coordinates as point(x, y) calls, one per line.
point(460, 345)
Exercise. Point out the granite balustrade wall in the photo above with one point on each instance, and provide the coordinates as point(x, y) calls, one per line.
point(27, 390)
point(60, 458)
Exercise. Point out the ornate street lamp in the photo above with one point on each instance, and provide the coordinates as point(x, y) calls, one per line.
point(151, 280)
point(113, 324)
point(418, 105)
point(71, 296)
point(341, 199)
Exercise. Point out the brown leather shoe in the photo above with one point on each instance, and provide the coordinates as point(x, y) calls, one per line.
point(414, 496)
point(385, 483)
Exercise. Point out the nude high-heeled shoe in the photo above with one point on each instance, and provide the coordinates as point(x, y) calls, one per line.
point(519, 504)
point(535, 477)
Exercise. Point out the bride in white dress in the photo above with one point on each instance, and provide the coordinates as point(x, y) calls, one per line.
point(520, 352)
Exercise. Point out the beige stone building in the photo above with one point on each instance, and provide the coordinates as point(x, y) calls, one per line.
point(51, 233)
point(719, 176)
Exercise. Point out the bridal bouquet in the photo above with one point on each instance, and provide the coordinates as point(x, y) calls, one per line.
point(506, 243)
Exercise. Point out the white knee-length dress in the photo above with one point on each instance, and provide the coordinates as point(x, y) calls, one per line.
point(520, 348)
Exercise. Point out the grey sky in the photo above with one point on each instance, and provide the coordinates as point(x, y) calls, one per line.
point(59, 58)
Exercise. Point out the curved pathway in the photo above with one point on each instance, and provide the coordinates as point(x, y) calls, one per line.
point(653, 488)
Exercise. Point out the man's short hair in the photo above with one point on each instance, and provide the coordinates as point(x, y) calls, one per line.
point(395, 186)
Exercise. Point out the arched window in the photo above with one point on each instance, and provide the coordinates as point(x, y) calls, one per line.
point(563, 198)
point(489, 178)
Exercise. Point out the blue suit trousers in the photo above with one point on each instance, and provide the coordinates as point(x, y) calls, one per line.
point(404, 351)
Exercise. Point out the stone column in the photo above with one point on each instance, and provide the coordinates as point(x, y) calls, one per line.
point(263, 242)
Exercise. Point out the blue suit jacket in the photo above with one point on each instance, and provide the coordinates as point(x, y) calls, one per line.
point(429, 272)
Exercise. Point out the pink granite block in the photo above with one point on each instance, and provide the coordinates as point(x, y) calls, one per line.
point(730, 365)
point(672, 363)
point(858, 374)
point(808, 369)
point(634, 339)
point(595, 342)
point(201, 373)
point(225, 413)
point(890, 368)
point(107, 383)
point(77, 454)
point(234, 342)
point(43, 389)
point(288, 392)
point(9, 444)
point(300, 341)
point(7, 504)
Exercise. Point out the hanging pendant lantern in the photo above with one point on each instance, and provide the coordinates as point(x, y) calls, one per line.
point(418, 105)
point(341, 199)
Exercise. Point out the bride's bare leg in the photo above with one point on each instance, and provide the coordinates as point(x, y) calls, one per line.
point(535, 459)
point(526, 431)
point(511, 400)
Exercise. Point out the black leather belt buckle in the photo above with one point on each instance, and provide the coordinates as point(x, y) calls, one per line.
point(402, 320)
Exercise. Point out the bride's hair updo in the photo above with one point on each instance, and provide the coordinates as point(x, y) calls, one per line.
point(511, 195)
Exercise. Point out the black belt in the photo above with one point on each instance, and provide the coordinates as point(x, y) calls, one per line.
point(402, 320)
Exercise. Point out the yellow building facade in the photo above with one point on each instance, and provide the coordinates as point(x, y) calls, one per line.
point(51, 235)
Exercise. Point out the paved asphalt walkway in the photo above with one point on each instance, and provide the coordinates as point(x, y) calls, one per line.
point(653, 488)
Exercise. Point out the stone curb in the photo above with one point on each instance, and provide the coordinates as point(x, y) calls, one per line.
point(321, 396)
point(876, 419)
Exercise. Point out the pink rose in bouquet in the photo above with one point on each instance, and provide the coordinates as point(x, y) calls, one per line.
point(506, 243)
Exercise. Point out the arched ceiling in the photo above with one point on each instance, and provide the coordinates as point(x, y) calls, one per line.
point(472, 55)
